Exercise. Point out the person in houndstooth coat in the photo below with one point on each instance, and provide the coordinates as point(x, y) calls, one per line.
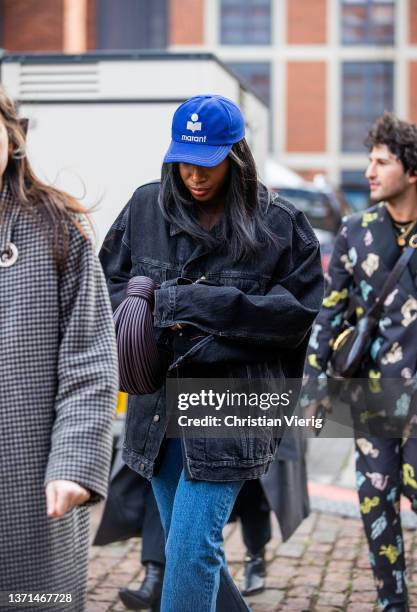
point(58, 383)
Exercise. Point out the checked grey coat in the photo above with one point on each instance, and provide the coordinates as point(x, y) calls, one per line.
point(58, 381)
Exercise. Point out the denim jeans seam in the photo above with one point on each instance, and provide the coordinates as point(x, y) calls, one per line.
point(216, 527)
point(209, 584)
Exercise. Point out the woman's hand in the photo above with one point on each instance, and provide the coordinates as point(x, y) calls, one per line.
point(63, 495)
point(177, 327)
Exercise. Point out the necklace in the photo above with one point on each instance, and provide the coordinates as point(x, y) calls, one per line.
point(405, 232)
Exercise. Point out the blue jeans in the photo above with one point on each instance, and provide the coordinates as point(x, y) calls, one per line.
point(193, 514)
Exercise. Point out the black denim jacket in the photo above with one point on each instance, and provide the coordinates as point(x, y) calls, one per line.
point(251, 319)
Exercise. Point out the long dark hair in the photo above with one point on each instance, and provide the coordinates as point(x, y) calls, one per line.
point(243, 226)
point(56, 207)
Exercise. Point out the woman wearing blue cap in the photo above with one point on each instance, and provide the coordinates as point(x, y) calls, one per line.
point(239, 284)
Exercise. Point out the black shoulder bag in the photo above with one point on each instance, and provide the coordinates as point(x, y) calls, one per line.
point(352, 344)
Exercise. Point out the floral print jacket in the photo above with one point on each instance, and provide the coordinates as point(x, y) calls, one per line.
point(365, 252)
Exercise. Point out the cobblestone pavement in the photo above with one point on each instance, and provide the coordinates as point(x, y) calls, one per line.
point(324, 567)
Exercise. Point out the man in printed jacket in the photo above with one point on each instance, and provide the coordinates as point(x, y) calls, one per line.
point(366, 249)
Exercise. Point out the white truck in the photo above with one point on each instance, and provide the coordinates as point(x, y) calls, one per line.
point(99, 124)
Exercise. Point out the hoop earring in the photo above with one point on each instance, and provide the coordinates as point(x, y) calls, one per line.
point(18, 154)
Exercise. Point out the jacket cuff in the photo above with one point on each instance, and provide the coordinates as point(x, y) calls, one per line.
point(314, 388)
point(97, 490)
point(164, 310)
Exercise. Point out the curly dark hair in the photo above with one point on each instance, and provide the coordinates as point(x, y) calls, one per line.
point(400, 138)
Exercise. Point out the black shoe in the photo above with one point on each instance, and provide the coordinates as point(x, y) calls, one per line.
point(149, 593)
point(255, 572)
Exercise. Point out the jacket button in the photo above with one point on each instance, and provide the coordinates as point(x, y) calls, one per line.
point(156, 418)
point(142, 467)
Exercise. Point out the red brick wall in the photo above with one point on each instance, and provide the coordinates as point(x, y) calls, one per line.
point(91, 25)
point(412, 22)
point(186, 19)
point(306, 106)
point(306, 22)
point(309, 174)
point(412, 115)
point(33, 25)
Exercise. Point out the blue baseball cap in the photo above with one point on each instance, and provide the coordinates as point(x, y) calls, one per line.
point(204, 129)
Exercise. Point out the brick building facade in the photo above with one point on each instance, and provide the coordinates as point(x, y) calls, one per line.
point(325, 67)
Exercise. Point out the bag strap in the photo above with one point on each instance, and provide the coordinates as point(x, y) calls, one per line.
point(400, 265)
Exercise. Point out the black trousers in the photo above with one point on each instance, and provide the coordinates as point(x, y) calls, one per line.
point(153, 539)
point(253, 509)
point(386, 468)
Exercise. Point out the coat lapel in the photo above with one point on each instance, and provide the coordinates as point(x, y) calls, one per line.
point(412, 264)
point(386, 240)
point(409, 277)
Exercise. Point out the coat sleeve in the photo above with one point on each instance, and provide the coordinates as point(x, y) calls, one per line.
point(87, 380)
point(335, 303)
point(115, 257)
point(281, 318)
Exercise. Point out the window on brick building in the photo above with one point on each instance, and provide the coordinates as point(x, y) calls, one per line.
point(257, 75)
point(131, 24)
point(367, 89)
point(245, 22)
point(368, 22)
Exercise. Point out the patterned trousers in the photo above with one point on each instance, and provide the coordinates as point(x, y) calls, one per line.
point(385, 469)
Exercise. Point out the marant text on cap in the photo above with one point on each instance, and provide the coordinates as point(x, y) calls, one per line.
point(204, 129)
